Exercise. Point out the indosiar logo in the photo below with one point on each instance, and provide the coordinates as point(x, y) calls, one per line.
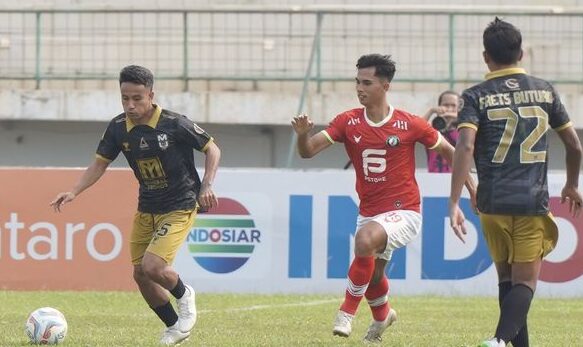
point(223, 240)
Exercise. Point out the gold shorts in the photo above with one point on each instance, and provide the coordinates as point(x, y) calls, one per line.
point(519, 239)
point(160, 234)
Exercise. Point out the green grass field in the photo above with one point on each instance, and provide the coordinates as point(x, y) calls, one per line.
point(123, 319)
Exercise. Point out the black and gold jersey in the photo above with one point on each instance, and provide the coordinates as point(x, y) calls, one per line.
point(512, 112)
point(160, 154)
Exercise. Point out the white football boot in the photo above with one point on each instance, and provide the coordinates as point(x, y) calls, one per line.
point(186, 310)
point(376, 328)
point(493, 342)
point(343, 324)
point(172, 336)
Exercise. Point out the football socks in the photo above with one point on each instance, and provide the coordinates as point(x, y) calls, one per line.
point(178, 290)
point(167, 314)
point(513, 312)
point(377, 295)
point(521, 339)
point(359, 275)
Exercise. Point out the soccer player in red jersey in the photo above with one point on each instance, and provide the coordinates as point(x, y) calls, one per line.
point(380, 142)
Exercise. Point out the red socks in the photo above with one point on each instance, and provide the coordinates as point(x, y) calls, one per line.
point(378, 299)
point(359, 275)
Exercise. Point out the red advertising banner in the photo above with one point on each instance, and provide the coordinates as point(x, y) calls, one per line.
point(85, 247)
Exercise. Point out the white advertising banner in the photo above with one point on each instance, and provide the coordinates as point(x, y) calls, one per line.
point(282, 231)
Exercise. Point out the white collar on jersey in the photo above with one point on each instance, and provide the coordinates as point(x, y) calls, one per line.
point(381, 123)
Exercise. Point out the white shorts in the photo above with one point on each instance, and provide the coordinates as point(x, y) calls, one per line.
point(401, 226)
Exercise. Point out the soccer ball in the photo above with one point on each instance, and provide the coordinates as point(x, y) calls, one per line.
point(46, 326)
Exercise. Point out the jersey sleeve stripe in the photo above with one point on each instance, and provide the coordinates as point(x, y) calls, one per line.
point(564, 126)
point(325, 133)
point(439, 139)
point(100, 157)
point(467, 125)
point(207, 144)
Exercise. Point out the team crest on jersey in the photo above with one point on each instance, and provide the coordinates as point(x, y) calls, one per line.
point(163, 141)
point(393, 141)
point(126, 146)
point(398, 204)
point(512, 83)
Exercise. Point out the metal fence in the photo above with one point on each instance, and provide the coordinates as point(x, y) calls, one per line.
point(431, 45)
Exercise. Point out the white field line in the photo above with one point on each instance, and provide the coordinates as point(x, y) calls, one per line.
point(267, 307)
point(237, 309)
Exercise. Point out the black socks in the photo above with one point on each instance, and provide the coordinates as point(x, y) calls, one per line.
point(166, 313)
point(178, 290)
point(513, 311)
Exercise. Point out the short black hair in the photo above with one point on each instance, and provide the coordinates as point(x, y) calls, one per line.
point(136, 74)
point(447, 92)
point(384, 66)
point(502, 42)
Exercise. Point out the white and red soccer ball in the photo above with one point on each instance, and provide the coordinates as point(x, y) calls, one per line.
point(46, 326)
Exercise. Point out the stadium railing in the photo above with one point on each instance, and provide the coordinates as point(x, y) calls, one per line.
point(432, 44)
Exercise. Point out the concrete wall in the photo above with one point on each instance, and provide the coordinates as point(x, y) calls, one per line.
point(62, 128)
point(42, 143)
point(219, 107)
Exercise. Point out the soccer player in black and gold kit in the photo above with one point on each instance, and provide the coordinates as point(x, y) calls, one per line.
point(158, 145)
point(504, 124)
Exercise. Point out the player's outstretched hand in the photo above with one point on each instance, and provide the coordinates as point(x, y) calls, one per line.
point(302, 124)
point(62, 199)
point(573, 197)
point(207, 198)
point(457, 219)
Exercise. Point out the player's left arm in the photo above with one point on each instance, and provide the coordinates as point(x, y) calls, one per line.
point(570, 192)
point(207, 198)
point(194, 136)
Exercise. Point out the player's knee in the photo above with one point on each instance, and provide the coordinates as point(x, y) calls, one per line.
point(531, 283)
point(364, 245)
point(152, 270)
point(139, 275)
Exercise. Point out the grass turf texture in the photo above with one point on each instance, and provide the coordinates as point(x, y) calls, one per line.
point(123, 319)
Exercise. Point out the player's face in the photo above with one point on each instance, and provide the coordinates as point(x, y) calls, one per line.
point(451, 103)
point(136, 100)
point(370, 89)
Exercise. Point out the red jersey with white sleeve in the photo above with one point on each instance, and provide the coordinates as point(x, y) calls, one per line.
point(383, 156)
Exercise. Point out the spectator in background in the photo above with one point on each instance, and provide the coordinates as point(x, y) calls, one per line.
point(443, 118)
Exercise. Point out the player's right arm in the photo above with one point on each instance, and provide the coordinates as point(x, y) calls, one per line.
point(89, 177)
point(308, 145)
point(107, 151)
point(462, 160)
